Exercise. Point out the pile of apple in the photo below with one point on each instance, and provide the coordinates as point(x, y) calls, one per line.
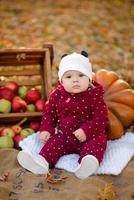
point(15, 98)
point(10, 136)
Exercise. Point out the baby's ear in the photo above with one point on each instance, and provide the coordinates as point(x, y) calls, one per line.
point(84, 53)
point(63, 55)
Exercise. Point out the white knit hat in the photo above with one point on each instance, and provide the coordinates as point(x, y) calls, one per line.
point(76, 62)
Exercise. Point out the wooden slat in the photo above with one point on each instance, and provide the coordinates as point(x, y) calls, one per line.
point(29, 82)
point(21, 56)
point(14, 117)
point(26, 83)
point(47, 74)
point(24, 72)
point(51, 50)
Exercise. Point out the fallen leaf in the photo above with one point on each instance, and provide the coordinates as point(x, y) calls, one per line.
point(51, 179)
point(4, 176)
point(107, 193)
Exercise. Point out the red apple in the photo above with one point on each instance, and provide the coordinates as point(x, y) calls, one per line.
point(34, 125)
point(1, 129)
point(33, 95)
point(17, 129)
point(18, 104)
point(39, 105)
point(6, 93)
point(8, 131)
point(12, 85)
point(17, 138)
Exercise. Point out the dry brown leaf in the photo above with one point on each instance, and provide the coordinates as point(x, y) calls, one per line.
point(4, 176)
point(132, 195)
point(51, 179)
point(107, 193)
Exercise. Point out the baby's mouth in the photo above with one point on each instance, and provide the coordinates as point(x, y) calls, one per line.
point(76, 86)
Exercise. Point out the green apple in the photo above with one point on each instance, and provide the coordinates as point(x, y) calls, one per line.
point(31, 107)
point(26, 132)
point(5, 106)
point(22, 91)
point(6, 142)
point(8, 131)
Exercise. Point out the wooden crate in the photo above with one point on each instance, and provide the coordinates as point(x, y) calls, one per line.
point(42, 59)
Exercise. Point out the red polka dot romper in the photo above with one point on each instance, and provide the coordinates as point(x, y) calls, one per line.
point(64, 113)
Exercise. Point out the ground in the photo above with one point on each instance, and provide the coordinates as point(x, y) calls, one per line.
point(103, 28)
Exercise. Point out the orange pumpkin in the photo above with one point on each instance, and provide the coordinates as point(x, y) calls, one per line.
point(119, 98)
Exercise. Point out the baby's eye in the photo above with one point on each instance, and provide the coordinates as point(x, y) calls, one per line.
point(68, 76)
point(81, 75)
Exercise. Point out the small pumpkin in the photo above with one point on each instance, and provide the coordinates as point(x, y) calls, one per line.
point(119, 98)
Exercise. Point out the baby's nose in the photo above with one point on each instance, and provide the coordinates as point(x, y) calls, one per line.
point(75, 79)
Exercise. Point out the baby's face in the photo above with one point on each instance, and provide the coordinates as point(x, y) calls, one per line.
point(75, 82)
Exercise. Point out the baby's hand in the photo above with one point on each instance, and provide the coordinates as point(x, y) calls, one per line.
point(44, 136)
point(80, 135)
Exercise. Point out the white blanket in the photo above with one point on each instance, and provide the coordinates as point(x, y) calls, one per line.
point(117, 155)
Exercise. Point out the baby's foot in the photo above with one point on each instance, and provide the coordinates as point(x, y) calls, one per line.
point(88, 166)
point(34, 163)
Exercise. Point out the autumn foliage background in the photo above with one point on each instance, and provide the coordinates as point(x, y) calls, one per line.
point(104, 28)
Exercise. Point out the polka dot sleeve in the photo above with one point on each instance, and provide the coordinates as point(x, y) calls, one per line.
point(99, 115)
point(49, 117)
